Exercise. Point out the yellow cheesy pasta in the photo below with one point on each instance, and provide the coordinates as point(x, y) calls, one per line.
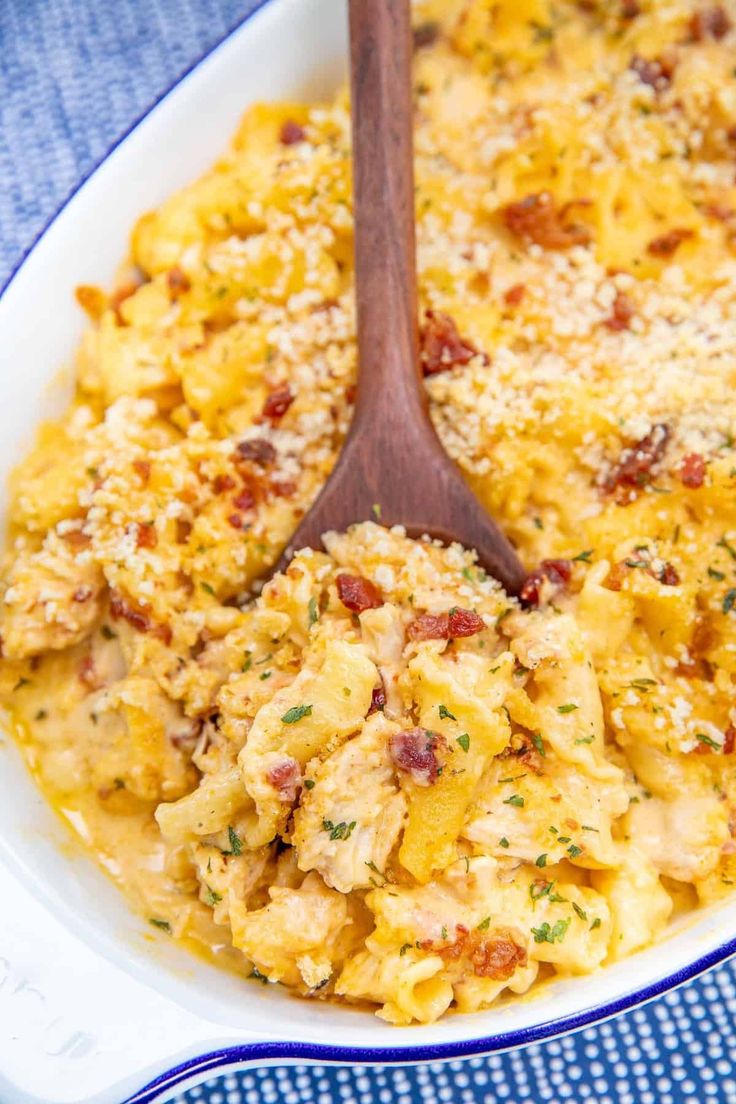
point(376, 778)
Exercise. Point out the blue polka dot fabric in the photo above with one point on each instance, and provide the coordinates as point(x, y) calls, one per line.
point(75, 75)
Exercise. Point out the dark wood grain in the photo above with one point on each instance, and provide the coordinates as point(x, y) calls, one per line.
point(392, 467)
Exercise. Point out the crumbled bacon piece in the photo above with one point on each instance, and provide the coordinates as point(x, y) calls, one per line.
point(358, 594)
point(634, 466)
point(549, 578)
point(669, 576)
point(82, 594)
point(222, 483)
point(286, 779)
point(145, 535)
point(692, 471)
point(425, 34)
point(441, 346)
point(523, 751)
point(656, 72)
point(497, 956)
point(630, 9)
point(729, 740)
point(711, 22)
point(258, 449)
point(291, 133)
point(413, 750)
point(378, 700)
point(536, 219)
point(235, 520)
point(178, 282)
point(621, 313)
point(142, 468)
point(670, 242)
point(282, 488)
point(513, 296)
point(136, 617)
point(452, 625)
point(244, 501)
point(277, 403)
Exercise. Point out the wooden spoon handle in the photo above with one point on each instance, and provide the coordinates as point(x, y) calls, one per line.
point(389, 379)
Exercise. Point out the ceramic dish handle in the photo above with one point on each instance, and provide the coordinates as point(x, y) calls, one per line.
point(58, 1050)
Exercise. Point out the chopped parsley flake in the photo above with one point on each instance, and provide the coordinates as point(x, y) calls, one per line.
point(538, 743)
point(596, 923)
point(723, 543)
point(583, 557)
point(568, 708)
point(704, 739)
point(108, 633)
point(729, 602)
point(464, 741)
point(714, 574)
point(164, 925)
point(291, 716)
point(515, 799)
point(541, 860)
point(213, 898)
point(551, 934)
point(341, 831)
point(503, 842)
point(585, 740)
point(308, 783)
point(313, 613)
point(236, 844)
point(484, 924)
point(208, 589)
point(581, 912)
point(445, 714)
point(573, 850)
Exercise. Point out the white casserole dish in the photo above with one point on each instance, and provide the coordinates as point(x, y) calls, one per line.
point(94, 1007)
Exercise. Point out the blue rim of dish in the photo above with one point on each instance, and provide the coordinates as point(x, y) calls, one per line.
point(346, 1055)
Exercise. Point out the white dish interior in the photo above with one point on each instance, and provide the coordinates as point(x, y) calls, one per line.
point(99, 1005)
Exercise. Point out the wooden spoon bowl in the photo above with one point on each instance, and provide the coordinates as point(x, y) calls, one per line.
point(392, 467)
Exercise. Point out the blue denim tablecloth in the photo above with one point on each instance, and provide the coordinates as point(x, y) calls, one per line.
point(74, 75)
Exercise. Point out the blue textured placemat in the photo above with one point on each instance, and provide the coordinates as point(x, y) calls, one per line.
point(74, 74)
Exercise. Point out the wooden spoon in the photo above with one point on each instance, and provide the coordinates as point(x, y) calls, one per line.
point(392, 467)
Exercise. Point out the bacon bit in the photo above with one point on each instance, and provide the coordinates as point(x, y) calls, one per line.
point(76, 538)
point(729, 740)
point(146, 535)
point(244, 501)
point(277, 403)
point(282, 488)
point(441, 346)
point(291, 133)
point(497, 956)
point(669, 576)
point(259, 450)
point(222, 483)
point(137, 618)
point(634, 466)
point(350, 392)
point(536, 219)
point(183, 531)
point(413, 751)
point(425, 34)
point(630, 9)
point(692, 471)
point(710, 23)
point(358, 594)
point(669, 243)
point(513, 296)
point(446, 626)
point(178, 282)
point(549, 578)
point(142, 468)
point(524, 751)
point(378, 700)
point(88, 674)
point(621, 313)
point(82, 594)
point(235, 520)
point(286, 779)
point(656, 72)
